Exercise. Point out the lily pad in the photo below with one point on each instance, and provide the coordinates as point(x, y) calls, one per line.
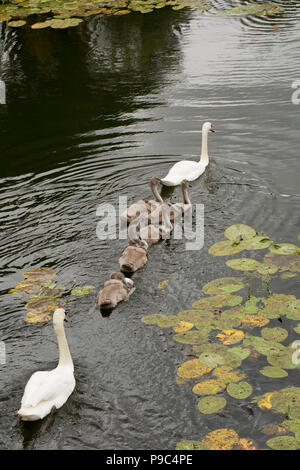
point(231, 336)
point(239, 232)
point(223, 285)
point(221, 439)
point(191, 369)
point(82, 290)
point(274, 334)
point(228, 374)
point(285, 249)
point(211, 404)
point(211, 359)
point(16, 24)
point(190, 445)
point(225, 248)
point(243, 264)
point(262, 9)
point(239, 390)
point(254, 320)
point(283, 443)
point(274, 372)
point(209, 387)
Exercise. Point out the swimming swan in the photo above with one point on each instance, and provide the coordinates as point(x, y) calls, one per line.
point(143, 207)
point(117, 289)
point(47, 391)
point(134, 256)
point(187, 169)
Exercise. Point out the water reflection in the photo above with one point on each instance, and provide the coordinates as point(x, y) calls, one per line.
point(92, 114)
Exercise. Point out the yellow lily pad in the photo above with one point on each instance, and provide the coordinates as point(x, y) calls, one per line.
point(221, 439)
point(231, 336)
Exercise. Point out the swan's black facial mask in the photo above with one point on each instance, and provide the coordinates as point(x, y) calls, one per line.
point(212, 130)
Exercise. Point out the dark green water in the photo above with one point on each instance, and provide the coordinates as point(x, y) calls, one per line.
point(92, 113)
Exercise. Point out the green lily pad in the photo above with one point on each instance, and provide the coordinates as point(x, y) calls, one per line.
point(223, 285)
point(274, 334)
point(82, 290)
point(239, 390)
point(211, 404)
point(243, 264)
point(283, 443)
point(225, 248)
point(274, 372)
point(16, 24)
point(239, 232)
point(256, 243)
point(217, 301)
point(211, 359)
point(285, 249)
point(152, 319)
point(262, 9)
point(192, 336)
point(190, 445)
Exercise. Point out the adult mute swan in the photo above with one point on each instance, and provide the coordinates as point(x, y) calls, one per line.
point(49, 390)
point(187, 169)
point(143, 207)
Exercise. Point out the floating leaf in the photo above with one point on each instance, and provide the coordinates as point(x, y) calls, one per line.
point(192, 368)
point(223, 285)
point(211, 404)
point(265, 269)
point(209, 387)
point(218, 301)
point(239, 232)
point(283, 443)
point(264, 402)
point(256, 243)
point(246, 444)
point(254, 320)
point(42, 25)
point(42, 275)
point(190, 445)
point(239, 390)
point(16, 24)
point(243, 264)
point(82, 290)
point(270, 429)
point(152, 319)
point(262, 9)
point(183, 326)
point(274, 372)
point(227, 374)
point(283, 262)
point(225, 248)
point(231, 336)
point(274, 334)
point(162, 284)
point(211, 359)
point(285, 249)
point(221, 439)
point(193, 336)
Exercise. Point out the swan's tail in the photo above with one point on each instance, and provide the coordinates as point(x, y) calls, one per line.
point(168, 182)
point(31, 413)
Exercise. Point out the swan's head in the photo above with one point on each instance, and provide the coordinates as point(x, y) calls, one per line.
point(117, 276)
point(207, 127)
point(59, 316)
point(154, 181)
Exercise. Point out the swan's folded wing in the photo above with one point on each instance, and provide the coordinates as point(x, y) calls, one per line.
point(45, 386)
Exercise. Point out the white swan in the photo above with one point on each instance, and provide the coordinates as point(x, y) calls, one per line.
point(49, 390)
point(187, 169)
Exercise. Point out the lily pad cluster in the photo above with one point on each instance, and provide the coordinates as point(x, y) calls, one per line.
point(228, 325)
point(69, 13)
point(219, 439)
point(42, 295)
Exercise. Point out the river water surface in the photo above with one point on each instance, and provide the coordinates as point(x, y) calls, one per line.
point(92, 113)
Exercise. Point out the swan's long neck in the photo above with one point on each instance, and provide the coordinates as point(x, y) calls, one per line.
point(65, 358)
point(204, 149)
point(155, 192)
point(185, 195)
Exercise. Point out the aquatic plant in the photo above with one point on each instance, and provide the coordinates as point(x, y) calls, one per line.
point(66, 14)
point(219, 327)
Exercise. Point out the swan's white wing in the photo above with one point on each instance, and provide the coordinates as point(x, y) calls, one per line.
point(47, 386)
